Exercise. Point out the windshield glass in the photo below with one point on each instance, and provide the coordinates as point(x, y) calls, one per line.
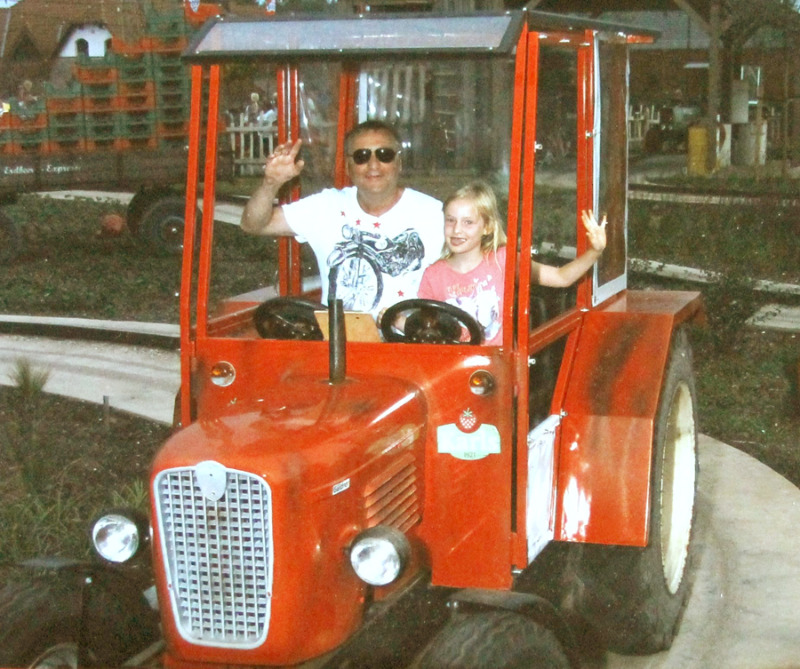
point(453, 119)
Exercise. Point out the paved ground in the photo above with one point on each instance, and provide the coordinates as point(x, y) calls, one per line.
point(743, 609)
point(132, 378)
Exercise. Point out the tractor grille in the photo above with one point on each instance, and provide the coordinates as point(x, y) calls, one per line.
point(218, 557)
point(391, 497)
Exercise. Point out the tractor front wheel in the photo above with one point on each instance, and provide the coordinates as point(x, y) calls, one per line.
point(494, 640)
point(40, 624)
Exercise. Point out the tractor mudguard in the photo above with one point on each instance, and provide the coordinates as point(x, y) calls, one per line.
point(610, 405)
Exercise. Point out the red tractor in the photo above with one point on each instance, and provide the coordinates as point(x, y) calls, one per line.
point(336, 497)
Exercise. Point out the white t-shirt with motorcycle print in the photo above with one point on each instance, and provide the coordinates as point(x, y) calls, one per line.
point(377, 261)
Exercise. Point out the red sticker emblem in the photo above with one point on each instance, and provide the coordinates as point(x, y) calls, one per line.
point(467, 421)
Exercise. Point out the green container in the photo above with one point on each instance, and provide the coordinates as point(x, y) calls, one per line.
point(166, 24)
point(66, 127)
point(71, 90)
point(98, 93)
point(30, 140)
point(135, 68)
point(102, 62)
point(136, 125)
point(65, 120)
point(102, 126)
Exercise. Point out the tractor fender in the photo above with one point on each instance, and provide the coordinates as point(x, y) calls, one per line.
point(536, 608)
point(609, 410)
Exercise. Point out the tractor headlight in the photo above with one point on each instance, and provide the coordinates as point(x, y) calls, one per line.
point(379, 555)
point(119, 536)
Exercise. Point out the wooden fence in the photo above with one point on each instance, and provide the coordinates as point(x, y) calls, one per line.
point(250, 144)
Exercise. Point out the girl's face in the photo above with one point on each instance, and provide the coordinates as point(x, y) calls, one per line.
point(463, 228)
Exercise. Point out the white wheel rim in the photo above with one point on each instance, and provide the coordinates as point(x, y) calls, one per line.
point(62, 655)
point(678, 486)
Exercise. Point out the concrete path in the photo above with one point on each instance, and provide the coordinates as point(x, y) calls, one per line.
point(139, 380)
point(743, 612)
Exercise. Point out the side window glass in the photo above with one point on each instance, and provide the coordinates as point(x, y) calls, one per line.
point(555, 188)
point(611, 164)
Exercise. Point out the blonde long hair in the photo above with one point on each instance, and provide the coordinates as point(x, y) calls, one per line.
point(482, 196)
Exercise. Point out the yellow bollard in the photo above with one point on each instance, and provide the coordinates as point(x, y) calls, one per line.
point(698, 150)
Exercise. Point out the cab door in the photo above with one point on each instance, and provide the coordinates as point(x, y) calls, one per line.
point(576, 107)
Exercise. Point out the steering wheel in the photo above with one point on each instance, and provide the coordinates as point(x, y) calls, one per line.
point(430, 322)
point(288, 318)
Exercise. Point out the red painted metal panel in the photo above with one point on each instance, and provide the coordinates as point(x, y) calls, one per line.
point(528, 71)
point(345, 121)
point(192, 175)
point(585, 161)
point(210, 180)
point(309, 438)
point(610, 403)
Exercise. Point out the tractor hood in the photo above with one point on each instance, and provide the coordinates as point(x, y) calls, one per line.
point(284, 484)
point(309, 419)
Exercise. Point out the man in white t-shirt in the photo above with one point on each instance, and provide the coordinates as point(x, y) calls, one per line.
point(374, 238)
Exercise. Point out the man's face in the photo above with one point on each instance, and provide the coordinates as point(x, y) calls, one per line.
point(374, 177)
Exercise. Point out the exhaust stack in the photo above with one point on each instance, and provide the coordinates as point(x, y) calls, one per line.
point(336, 342)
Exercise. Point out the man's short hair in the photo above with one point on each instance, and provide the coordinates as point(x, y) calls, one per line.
point(373, 125)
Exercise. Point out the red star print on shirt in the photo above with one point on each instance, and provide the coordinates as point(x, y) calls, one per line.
point(376, 224)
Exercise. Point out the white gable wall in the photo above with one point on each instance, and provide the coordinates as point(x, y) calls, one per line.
point(95, 36)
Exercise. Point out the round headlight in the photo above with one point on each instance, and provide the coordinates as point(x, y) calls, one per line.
point(379, 555)
point(116, 537)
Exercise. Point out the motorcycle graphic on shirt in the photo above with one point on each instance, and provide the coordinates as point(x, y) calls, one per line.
point(358, 262)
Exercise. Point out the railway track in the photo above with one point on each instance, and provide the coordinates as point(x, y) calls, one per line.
point(660, 193)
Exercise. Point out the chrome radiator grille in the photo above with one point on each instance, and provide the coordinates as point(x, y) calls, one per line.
point(218, 556)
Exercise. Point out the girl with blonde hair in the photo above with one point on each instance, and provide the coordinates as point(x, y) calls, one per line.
point(469, 274)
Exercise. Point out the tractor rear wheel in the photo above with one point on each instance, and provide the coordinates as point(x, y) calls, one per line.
point(633, 598)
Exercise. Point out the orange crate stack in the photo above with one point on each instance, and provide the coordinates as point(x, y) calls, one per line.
point(106, 74)
point(140, 47)
point(125, 144)
point(64, 145)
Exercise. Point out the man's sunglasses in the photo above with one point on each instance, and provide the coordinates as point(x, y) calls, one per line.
point(362, 156)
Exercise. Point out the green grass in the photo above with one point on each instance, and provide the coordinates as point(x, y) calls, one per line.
point(747, 378)
point(69, 268)
point(746, 241)
point(64, 461)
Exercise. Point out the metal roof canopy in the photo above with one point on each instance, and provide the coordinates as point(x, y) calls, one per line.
point(388, 35)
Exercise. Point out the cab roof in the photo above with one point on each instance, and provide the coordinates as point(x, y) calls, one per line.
point(392, 35)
